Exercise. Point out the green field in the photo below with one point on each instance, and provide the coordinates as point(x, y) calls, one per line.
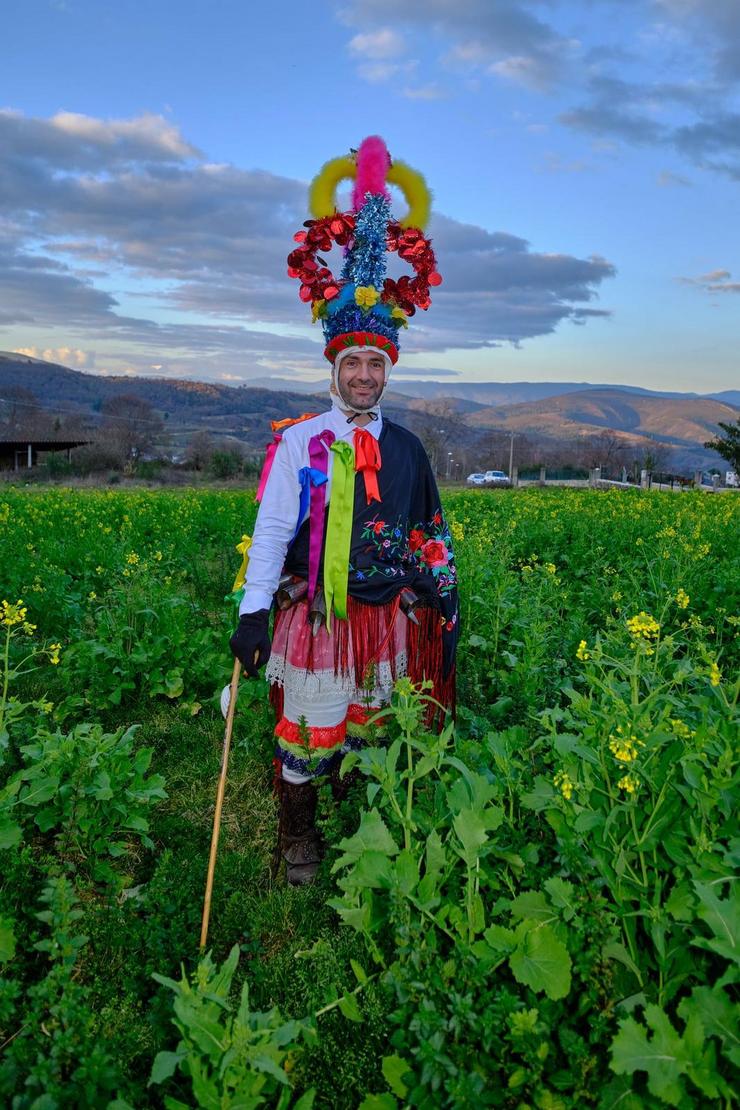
point(534, 909)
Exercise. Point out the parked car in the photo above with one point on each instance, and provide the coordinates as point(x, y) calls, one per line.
point(496, 478)
point(476, 479)
point(731, 478)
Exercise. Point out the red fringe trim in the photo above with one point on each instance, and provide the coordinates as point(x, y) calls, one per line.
point(425, 662)
point(359, 715)
point(370, 625)
point(319, 736)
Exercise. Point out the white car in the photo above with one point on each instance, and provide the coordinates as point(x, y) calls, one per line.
point(476, 479)
point(496, 478)
point(731, 478)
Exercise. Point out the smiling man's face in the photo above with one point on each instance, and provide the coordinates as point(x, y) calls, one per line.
point(361, 379)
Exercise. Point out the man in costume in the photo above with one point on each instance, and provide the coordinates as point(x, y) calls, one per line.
point(350, 535)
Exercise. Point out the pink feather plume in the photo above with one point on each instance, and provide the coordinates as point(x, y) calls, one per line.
point(373, 163)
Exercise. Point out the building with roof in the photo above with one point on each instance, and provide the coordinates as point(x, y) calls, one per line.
point(21, 454)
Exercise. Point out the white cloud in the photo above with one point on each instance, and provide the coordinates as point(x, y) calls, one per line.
point(377, 73)
point(716, 281)
point(521, 69)
point(667, 180)
point(65, 356)
point(425, 92)
point(381, 44)
point(145, 130)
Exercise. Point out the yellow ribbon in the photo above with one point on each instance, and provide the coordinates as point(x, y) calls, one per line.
point(339, 530)
point(243, 549)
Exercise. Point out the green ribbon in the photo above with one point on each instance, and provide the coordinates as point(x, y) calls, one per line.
point(339, 530)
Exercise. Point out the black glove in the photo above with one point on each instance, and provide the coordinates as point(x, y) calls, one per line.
point(251, 641)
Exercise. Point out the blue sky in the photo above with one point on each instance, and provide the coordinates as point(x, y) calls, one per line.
point(584, 159)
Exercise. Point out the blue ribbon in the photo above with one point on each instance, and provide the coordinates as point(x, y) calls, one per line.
point(307, 476)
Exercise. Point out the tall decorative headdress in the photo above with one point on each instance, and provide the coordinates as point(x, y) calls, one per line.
point(363, 307)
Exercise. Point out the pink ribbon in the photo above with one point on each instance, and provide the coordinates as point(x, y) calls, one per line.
point(267, 466)
point(318, 454)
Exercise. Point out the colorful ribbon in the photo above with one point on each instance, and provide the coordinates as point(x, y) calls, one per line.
point(278, 427)
point(339, 531)
point(318, 454)
point(267, 466)
point(309, 477)
point(367, 462)
point(289, 421)
point(243, 549)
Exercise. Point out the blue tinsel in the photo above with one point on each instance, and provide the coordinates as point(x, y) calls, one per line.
point(365, 263)
point(351, 317)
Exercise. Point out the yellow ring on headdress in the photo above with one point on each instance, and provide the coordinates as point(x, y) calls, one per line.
point(322, 190)
point(415, 191)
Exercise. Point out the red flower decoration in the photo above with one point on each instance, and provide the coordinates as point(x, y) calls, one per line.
point(318, 282)
point(416, 539)
point(435, 554)
point(378, 527)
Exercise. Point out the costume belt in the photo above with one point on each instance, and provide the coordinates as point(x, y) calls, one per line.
point(292, 589)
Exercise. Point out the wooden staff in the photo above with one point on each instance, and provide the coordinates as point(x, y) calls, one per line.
point(233, 691)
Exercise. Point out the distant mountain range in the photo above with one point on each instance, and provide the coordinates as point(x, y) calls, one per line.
point(542, 411)
point(497, 393)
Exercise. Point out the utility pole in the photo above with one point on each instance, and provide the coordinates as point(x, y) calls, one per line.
point(511, 453)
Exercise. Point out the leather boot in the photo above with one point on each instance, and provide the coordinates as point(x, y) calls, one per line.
point(341, 786)
point(300, 843)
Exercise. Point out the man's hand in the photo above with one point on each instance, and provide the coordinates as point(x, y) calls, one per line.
point(251, 641)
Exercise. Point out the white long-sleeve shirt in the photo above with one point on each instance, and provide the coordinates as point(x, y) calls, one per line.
point(278, 512)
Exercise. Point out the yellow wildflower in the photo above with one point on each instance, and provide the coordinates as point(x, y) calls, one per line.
point(564, 785)
point(458, 532)
point(54, 650)
point(366, 296)
point(682, 599)
point(12, 614)
point(583, 654)
point(715, 675)
point(29, 628)
point(679, 728)
point(630, 783)
point(158, 556)
point(643, 628)
point(92, 595)
point(132, 558)
point(550, 568)
point(624, 748)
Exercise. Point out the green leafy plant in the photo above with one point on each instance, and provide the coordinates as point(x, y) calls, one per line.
point(234, 1059)
point(431, 881)
point(54, 1055)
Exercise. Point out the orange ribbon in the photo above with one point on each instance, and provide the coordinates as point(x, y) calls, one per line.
point(367, 461)
point(278, 425)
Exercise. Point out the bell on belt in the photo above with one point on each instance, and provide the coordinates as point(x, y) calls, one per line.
point(290, 590)
point(317, 611)
point(409, 601)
